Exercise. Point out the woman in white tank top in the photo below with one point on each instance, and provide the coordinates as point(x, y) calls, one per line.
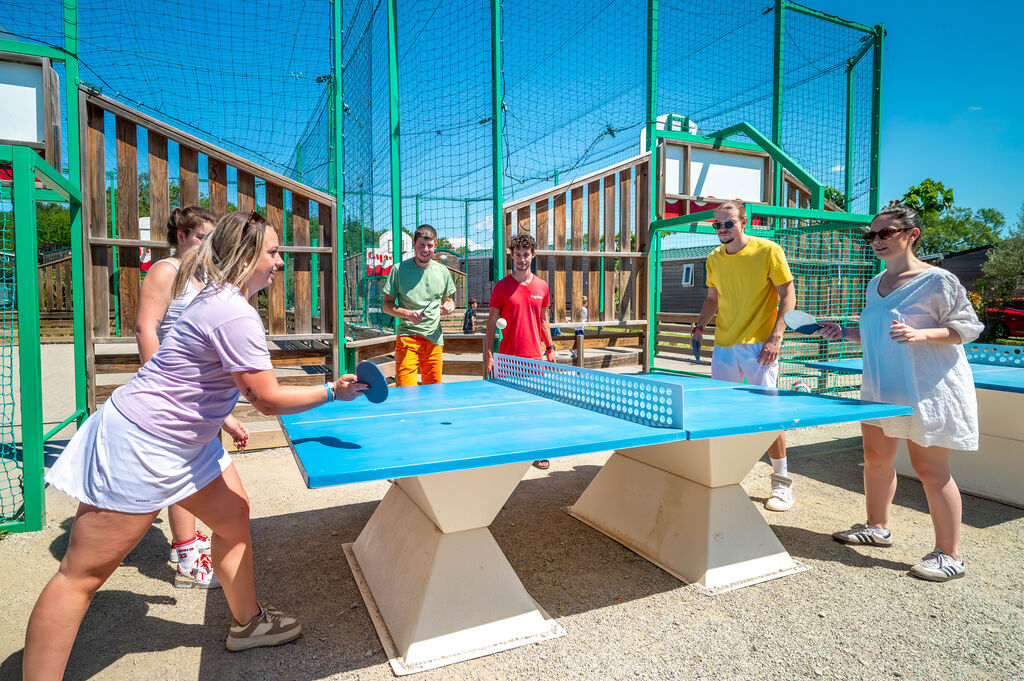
point(157, 312)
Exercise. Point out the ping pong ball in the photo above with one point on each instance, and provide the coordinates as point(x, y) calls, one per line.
point(501, 323)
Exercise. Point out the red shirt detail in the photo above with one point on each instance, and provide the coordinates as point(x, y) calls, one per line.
point(522, 306)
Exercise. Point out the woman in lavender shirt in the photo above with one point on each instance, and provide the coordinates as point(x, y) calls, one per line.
point(154, 443)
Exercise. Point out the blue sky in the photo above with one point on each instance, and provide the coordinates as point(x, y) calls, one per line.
point(951, 97)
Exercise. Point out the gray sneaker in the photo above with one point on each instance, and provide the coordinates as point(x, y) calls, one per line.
point(864, 534)
point(782, 494)
point(269, 627)
point(939, 566)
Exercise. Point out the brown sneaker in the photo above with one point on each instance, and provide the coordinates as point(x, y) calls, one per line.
point(268, 628)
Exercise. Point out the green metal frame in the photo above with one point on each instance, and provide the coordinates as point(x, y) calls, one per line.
point(28, 168)
point(497, 162)
point(342, 361)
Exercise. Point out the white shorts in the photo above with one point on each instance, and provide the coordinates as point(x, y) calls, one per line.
point(736, 362)
point(113, 464)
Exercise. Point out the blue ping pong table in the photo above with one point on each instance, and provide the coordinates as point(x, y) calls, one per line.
point(436, 583)
point(996, 470)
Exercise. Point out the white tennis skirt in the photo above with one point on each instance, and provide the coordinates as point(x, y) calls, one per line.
point(113, 464)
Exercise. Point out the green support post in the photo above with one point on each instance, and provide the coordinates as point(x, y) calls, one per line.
point(497, 96)
point(466, 244)
point(362, 248)
point(417, 223)
point(342, 363)
point(112, 178)
point(396, 165)
point(778, 83)
point(29, 361)
point(72, 79)
point(848, 164)
point(876, 110)
point(653, 290)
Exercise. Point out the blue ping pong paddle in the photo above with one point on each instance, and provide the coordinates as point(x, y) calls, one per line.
point(369, 373)
point(695, 346)
point(801, 322)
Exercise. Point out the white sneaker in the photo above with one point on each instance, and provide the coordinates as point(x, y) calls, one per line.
point(202, 545)
point(939, 566)
point(862, 533)
point(782, 494)
point(199, 577)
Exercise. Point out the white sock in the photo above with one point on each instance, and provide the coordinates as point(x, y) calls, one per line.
point(188, 554)
point(780, 466)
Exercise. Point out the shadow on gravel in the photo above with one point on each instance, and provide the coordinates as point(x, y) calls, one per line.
point(839, 464)
point(802, 543)
point(149, 556)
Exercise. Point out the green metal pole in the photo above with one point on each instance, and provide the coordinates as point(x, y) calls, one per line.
point(396, 163)
point(417, 210)
point(465, 224)
point(72, 79)
point(362, 247)
point(778, 83)
point(497, 168)
point(29, 362)
point(652, 172)
point(848, 166)
point(876, 112)
point(342, 364)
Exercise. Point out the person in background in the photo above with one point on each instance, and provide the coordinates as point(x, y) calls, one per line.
point(469, 319)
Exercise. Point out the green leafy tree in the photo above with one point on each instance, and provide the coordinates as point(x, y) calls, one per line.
point(958, 229)
point(928, 198)
point(835, 196)
point(53, 226)
point(1003, 273)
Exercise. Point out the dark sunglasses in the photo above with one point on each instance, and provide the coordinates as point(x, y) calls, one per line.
point(883, 234)
point(728, 224)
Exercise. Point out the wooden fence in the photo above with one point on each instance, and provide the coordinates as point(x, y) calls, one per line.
point(296, 337)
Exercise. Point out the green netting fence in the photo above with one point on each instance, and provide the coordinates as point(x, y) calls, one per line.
point(11, 467)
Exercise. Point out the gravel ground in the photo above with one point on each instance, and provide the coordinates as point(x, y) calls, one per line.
point(854, 615)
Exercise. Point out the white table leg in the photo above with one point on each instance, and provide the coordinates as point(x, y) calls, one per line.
point(442, 587)
point(680, 505)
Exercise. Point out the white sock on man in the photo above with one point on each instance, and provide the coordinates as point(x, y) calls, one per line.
point(188, 554)
point(780, 466)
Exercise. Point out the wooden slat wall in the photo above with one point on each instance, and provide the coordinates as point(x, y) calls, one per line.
point(328, 285)
point(594, 244)
point(643, 238)
point(609, 246)
point(303, 291)
point(218, 174)
point(558, 294)
point(542, 240)
point(127, 204)
point(576, 264)
point(246, 191)
point(159, 193)
point(99, 256)
point(188, 169)
point(626, 279)
point(276, 321)
point(506, 238)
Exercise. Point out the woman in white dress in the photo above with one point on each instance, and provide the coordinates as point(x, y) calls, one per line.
point(914, 324)
point(158, 310)
point(155, 443)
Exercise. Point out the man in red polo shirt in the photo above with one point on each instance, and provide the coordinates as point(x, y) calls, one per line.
point(522, 300)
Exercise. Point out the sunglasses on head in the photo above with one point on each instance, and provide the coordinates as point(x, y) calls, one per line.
point(728, 224)
point(254, 219)
point(883, 234)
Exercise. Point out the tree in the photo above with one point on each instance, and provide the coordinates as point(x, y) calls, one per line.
point(1003, 271)
point(958, 229)
point(928, 198)
point(835, 196)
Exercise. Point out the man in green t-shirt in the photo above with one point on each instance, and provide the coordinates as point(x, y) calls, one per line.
point(418, 291)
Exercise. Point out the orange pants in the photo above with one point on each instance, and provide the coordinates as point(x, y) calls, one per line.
point(416, 353)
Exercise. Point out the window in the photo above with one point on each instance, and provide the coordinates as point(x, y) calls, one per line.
point(688, 274)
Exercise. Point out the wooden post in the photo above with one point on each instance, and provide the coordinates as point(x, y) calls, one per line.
point(188, 169)
point(626, 279)
point(246, 191)
point(303, 290)
point(276, 293)
point(159, 193)
point(558, 294)
point(542, 240)
point(577, 245)
point(127, 222)
point(609, 247)
point(218, 183)
point(594, 245)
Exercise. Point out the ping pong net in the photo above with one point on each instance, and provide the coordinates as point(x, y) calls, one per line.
point(999, 355)
point(631, 398)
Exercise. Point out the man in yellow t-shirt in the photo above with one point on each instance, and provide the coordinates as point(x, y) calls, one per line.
point(751, 288)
